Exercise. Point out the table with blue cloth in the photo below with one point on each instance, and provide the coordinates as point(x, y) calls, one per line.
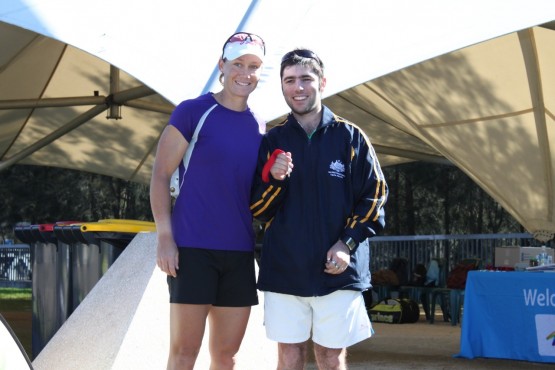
point(509, 315)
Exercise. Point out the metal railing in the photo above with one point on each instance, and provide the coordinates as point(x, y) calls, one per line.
point(15, 264)
point(451, 248)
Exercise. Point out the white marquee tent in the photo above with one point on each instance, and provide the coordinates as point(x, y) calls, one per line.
point(466, 82)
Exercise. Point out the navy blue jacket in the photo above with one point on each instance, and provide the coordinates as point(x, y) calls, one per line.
point(336, 188)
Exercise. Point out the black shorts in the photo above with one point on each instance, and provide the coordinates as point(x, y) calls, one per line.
point(218, 278)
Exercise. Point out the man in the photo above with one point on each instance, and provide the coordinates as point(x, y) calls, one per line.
point(321, 198)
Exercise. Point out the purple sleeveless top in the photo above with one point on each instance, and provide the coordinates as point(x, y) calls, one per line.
point(212, 209)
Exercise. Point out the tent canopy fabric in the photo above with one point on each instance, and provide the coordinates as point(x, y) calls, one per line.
point(471, 84)
point(488, 108)
point(54, 97)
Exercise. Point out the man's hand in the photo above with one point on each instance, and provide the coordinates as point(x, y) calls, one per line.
point(338, 258)
point(282, 166)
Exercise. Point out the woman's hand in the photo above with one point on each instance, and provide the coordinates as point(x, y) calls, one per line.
point(167, 256)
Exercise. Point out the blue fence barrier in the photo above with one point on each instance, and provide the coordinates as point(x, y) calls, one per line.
point(15, 265)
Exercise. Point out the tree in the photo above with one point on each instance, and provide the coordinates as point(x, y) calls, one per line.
point(38, 194)
point(424, 198)
point(440, 199)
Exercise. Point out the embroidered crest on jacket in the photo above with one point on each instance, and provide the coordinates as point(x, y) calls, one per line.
point(337, 169)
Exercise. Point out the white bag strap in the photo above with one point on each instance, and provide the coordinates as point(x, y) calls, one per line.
point(175, 186)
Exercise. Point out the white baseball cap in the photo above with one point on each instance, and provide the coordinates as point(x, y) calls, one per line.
point(242, 43)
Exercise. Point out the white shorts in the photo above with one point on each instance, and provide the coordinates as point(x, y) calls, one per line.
point(337, 320)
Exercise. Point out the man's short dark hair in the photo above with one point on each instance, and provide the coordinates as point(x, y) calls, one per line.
point(303, 57)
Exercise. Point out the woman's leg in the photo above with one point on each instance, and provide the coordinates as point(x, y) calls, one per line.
point(227, 329)
point(187, 323)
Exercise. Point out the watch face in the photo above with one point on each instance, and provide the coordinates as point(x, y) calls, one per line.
point(350, 243)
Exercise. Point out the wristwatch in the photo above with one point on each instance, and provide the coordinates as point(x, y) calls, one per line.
point(349, 242)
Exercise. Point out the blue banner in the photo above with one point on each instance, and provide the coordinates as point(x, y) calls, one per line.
point(509, 315)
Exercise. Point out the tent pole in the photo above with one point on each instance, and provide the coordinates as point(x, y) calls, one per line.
point(120, 97)
point(51, 102)
point(117, 98)
point(80, 101)
point(114, 110)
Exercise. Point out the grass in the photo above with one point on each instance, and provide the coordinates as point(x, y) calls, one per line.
point(15, 299)
point(16, 293)
point(16, 305)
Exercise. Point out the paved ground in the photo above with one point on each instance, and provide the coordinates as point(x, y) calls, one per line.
point(421, 346)
point(405, 346)
point(395, 346)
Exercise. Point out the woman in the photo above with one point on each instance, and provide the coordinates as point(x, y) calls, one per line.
point(206, 244)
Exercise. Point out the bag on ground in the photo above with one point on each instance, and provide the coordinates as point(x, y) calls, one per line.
point(395, 311)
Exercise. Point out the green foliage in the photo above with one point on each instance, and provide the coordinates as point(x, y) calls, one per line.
point(439, 199)
point(38, 194)
point(424, 199)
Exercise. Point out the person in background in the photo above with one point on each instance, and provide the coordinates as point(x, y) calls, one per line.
point(419, 275)
point(321, 195)
point(206, 243)
point(432, 274)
